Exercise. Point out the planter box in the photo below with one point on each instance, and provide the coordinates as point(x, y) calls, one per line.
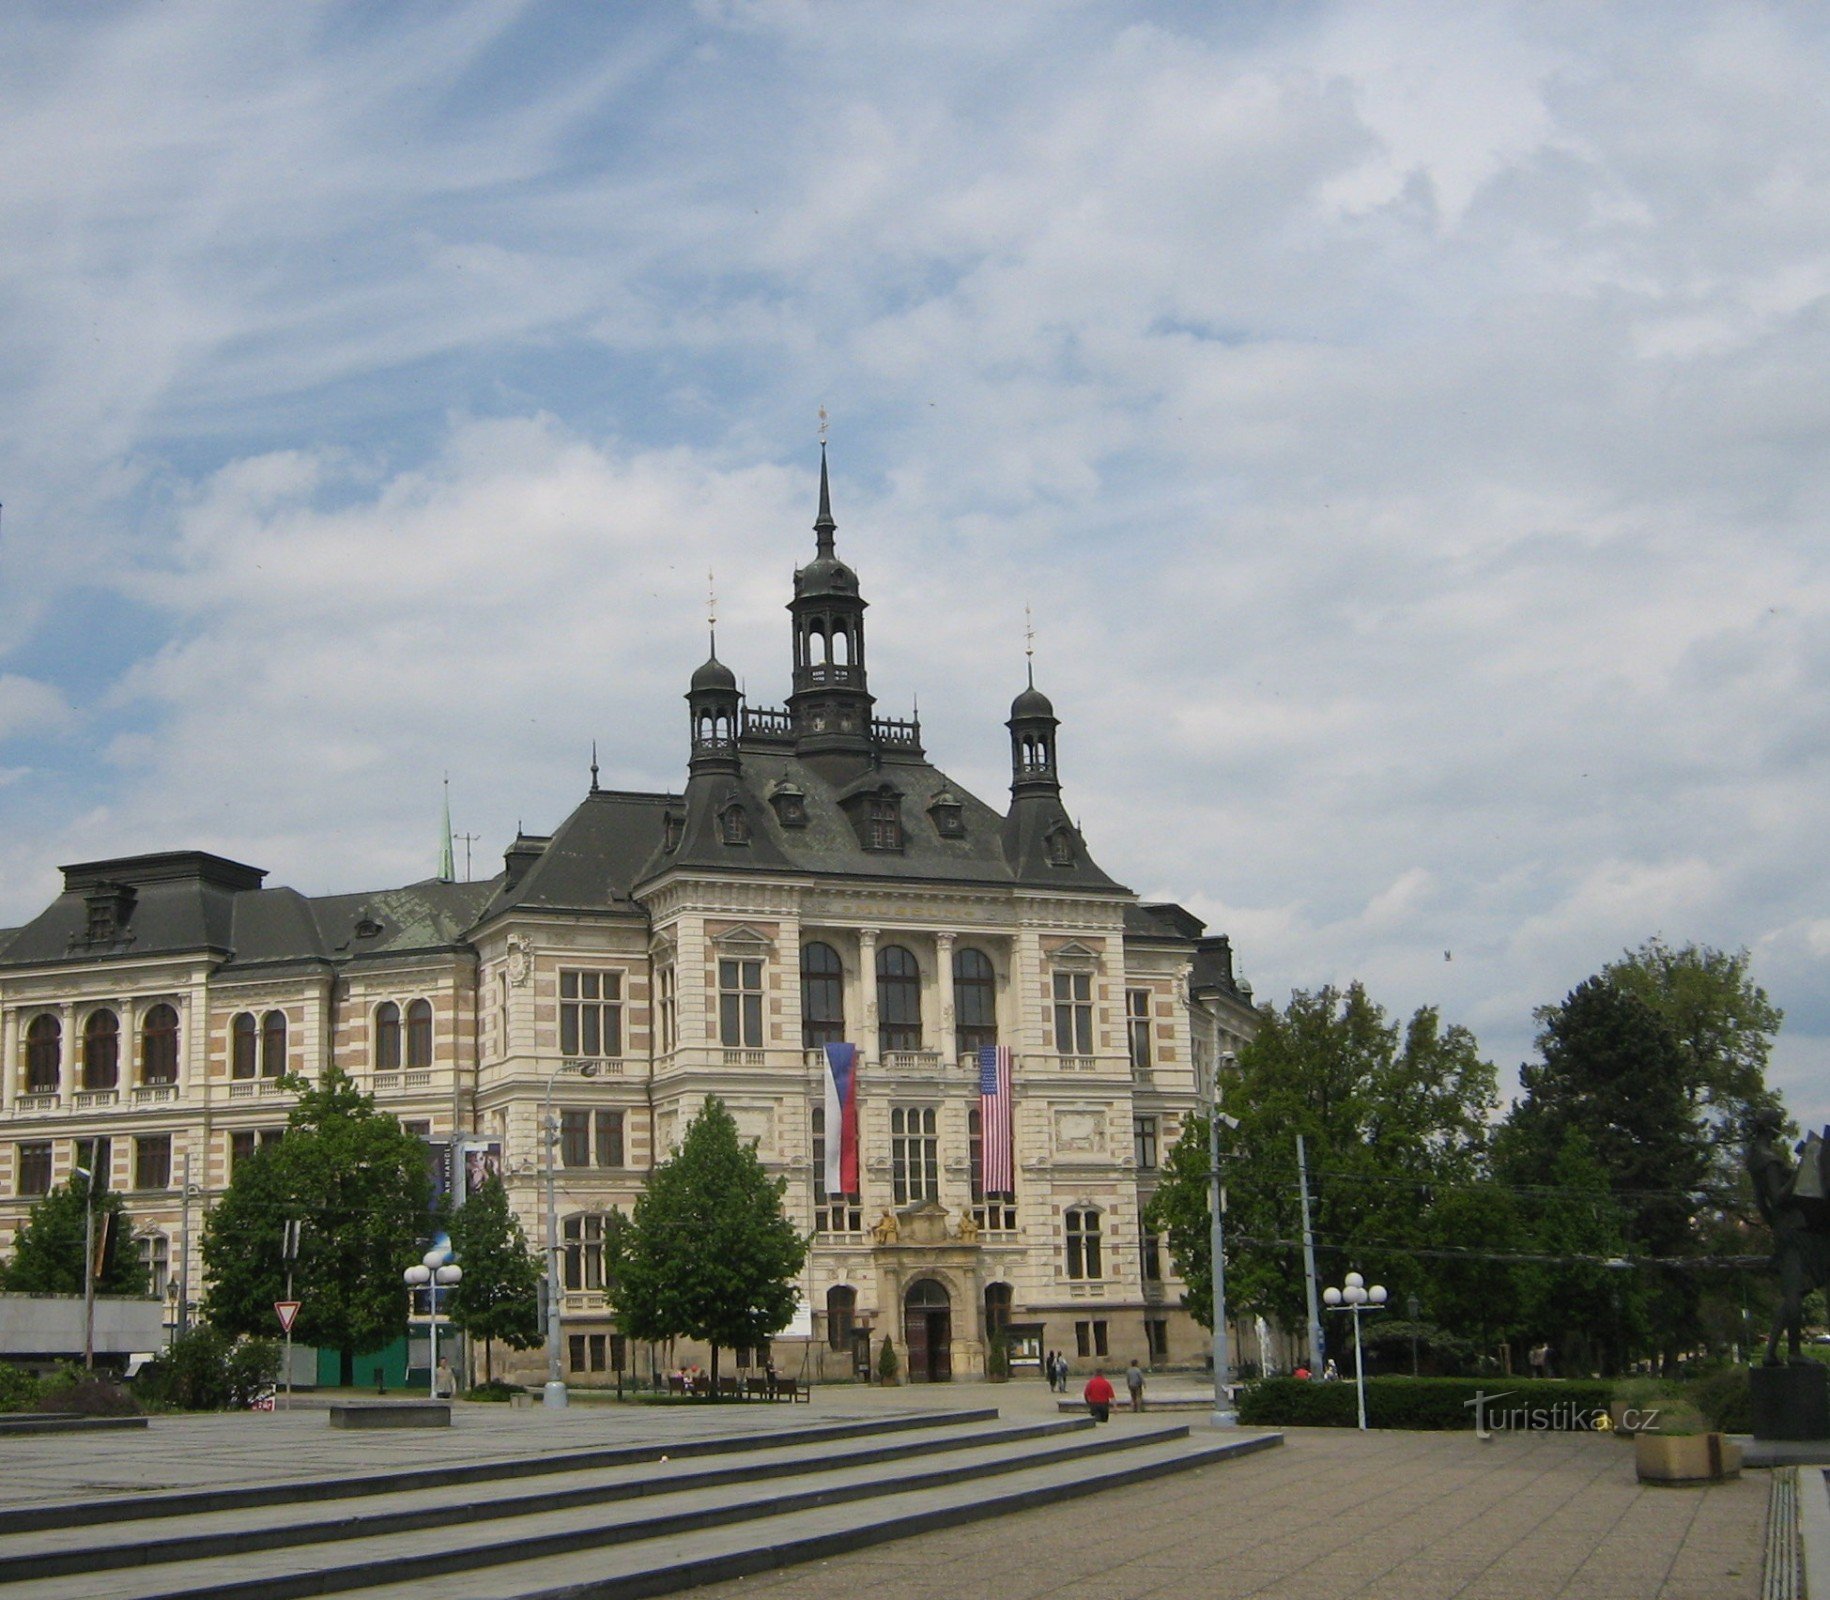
point(1685, 1458)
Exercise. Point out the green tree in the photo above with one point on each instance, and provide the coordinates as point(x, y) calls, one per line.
point(357, 1184)
point(48, 1253)
point(708, 1253)
point(499, 1295)
point(1391, 1115)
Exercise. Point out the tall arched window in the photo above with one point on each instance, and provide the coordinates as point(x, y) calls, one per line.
point(419, 1034)
point(841, 1311)
point(44, 1053)
point(1083, 1253)
point(822, 996)
point(273, 1045)
point(975, 1001)
point(898, 1000)
point(244, 1045)
point(101, 1050)
point(387, 1037)
point(159, 1045)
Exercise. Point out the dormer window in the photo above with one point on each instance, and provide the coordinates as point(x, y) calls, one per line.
point(949, 820)
point(735, 822)
point(109, 905)
point(368, 928)
point(1061, 846)
point(790, 805)
point(884, 828)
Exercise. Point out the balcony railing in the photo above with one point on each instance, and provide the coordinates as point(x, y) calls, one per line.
point(153, 1094)
point(87, 1099)
point(594, 1066)
point(1077, 1063)
point(40, 1102)
point(253, 1088)
point(912, 1060)
point(744, 1058)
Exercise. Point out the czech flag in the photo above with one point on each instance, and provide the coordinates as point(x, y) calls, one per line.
point(842, 1119)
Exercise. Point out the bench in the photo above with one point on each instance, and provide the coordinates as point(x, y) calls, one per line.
point(391, 1414)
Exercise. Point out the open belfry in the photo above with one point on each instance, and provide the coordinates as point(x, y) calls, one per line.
point(1018, 1036)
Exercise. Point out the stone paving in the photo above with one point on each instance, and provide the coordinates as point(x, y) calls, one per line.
point(1331, 1513)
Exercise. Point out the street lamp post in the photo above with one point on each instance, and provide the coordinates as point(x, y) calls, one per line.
point(88, 1177)
point(1224, 1415)
point(555, 1392)
point(436, 1271)
point(1354, 1298)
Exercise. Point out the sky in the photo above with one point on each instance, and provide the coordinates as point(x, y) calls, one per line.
point(1405, 423)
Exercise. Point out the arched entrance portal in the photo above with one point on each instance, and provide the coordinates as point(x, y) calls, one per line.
point(927, 1330)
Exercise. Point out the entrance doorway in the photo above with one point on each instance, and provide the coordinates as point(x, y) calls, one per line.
point(927, 1329)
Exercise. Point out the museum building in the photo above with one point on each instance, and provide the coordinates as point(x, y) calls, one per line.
point(817, 881)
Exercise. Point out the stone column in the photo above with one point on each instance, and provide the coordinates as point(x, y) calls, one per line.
point(943, 958)
point(867, 988)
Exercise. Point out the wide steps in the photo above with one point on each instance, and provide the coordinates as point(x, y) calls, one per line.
point(638, 1524)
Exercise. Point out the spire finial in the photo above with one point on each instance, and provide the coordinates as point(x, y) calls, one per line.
point(447, 864)
point(594, 766)
point(711, 609)
point(1029, 644)
point(824, 527)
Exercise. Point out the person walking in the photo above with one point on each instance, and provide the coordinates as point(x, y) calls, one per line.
point(444, 1381)
point(1134, 1384)
point(1098, 1396)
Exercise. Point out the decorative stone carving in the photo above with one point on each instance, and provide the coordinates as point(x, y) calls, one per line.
point(887, 1230)
point(520, 961)
point(1080, 1133)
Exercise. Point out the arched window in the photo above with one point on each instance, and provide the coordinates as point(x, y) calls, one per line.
point(1083, 1254)
point(736, 825)
point(841, 1312)
point(975, 1001)
point(101, 1050)
point(387, 1037)
point(898, 1000)
point(822, 996)
point(44, 1052)
point(159, 1045)
point(419, 1034)
point(273, 1045)
point(244, 1045)
point(997, 1309)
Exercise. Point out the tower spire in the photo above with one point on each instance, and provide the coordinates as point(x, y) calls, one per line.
point(824, 527)
point(594, 766)
point(447, 864)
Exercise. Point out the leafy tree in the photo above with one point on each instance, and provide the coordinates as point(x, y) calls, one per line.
point(48, 1253)
point(708, 1253)
point(1613, 1072)
point(499, 1294)
point(1390, 1114)
point(357, 1184)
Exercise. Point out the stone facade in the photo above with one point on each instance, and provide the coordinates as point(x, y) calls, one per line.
point(654, 950)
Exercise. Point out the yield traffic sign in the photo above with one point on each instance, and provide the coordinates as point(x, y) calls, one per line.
point(288, 1310)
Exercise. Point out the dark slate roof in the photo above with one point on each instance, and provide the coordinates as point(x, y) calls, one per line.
point(594, 859)
point(991, 850)
point(1162, 919)
point(429, 915)
point(182, 900)
point(1213, 969)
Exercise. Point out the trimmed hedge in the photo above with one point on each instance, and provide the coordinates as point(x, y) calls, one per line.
point(1434, 1404)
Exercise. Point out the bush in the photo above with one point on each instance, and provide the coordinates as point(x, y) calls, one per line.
point(997, 1358)
point(1721, 1396)
point(495, 1389)
point(19, 1389)
point(204, 1370)
point(1435, 1404)
point(887, 1364)
point(75, 1392)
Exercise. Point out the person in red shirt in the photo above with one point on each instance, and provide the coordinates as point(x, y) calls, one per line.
point(1098, 1396)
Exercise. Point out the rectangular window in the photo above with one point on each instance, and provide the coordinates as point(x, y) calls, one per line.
point(32, 1164)
point(590, 1014)
point(1137, 1027)
point(740, 1004)
point(98, 1156)
point(575, 1343)
point(914, 1155)
point(832, 1213)
point(1153, 1258)
point(994, 1213)
point(1090, 1338)
point(575, 1138)
point(152, 1162)
point(609, 1138)
point(665, 982)
point(1084, 1262)
point(243, 1144)
point(1143, 1142)
point(584, 1252)
point(1156, 1336)
point(1074, 1013)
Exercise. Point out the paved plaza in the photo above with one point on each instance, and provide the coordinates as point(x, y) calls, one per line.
point(1330, 1513)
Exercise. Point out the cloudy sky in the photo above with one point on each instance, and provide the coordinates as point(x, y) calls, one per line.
point(1406, 422)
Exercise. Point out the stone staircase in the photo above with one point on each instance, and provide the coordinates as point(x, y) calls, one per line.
point(607, 1522)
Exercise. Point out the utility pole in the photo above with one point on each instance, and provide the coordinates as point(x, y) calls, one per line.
point(1318, 1343)
point(290, 1250)
point(88, 1173)
point(184, 1252)
point(1224, 1415)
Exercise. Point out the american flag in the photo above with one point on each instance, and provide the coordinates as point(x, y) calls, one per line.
point(994, 1119)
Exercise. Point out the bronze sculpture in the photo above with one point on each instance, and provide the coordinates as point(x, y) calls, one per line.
point(1793, 1201)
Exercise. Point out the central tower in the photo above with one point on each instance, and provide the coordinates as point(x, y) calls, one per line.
point(831, 703)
